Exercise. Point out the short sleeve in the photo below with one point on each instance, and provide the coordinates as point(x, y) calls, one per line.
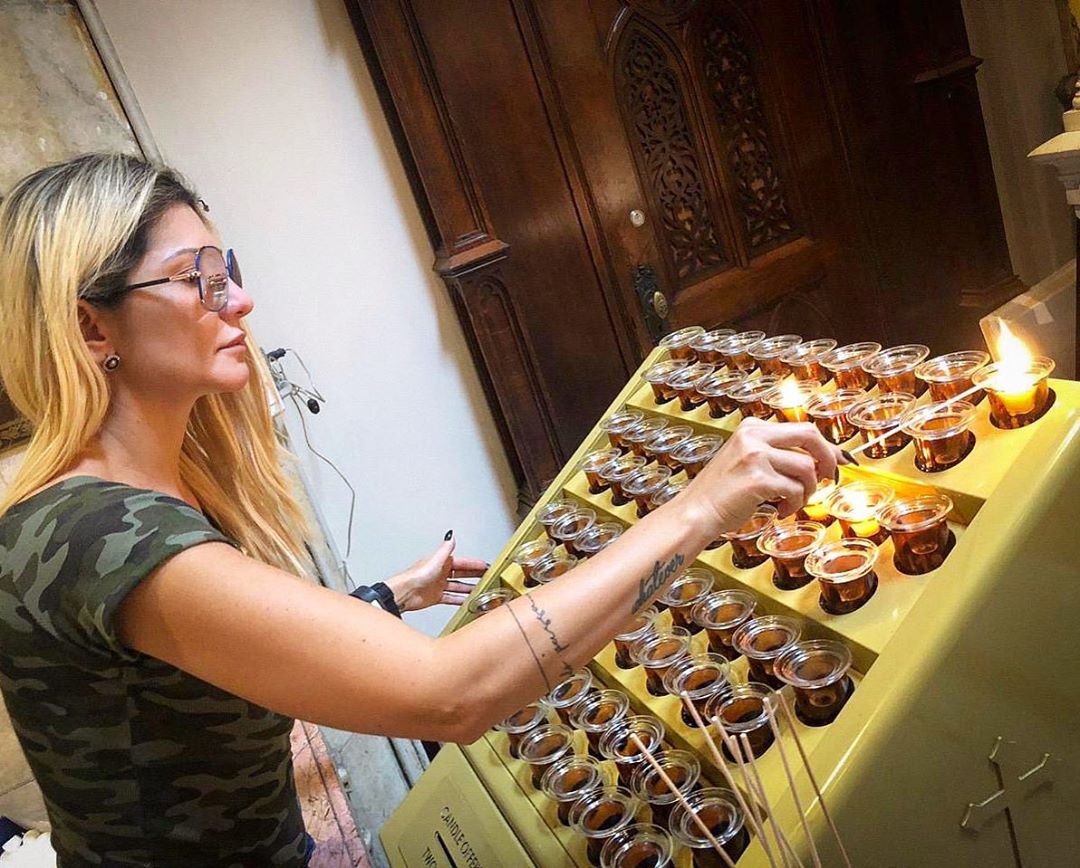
point(107, 538)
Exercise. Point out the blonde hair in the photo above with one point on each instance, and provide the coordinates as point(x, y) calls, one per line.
point(74, 230)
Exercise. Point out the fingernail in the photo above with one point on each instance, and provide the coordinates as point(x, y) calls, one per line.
point(487, 565)
point(848, 457)
point(449, 534)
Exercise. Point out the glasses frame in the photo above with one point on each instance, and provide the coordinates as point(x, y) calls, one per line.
point(232, 271)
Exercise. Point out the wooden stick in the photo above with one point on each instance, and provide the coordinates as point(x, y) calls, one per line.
point(718, 758)
point(813, 780)
point(784, 843)
point(733, 749)
point(770, 712)
point(675, 791)
point(893, 431)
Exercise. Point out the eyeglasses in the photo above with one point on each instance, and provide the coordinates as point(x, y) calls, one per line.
point(212, 272)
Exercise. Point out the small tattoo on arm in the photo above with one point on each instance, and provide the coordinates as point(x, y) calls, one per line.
point(654, 581)
point(544, 621)
point(539, 665)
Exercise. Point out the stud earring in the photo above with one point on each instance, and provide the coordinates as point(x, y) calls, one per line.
point(112, 362)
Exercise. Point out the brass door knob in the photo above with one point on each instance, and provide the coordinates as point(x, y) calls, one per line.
point(660, 304)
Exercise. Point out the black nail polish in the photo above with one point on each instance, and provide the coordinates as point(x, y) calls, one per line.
point(850, 458)
point(449, 534)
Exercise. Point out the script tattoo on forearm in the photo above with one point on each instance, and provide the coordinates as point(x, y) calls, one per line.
point(544, 620)
point(654, 581)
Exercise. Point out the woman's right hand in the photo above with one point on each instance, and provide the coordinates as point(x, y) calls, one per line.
point(761, 463)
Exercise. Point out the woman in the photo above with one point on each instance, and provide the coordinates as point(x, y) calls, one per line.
point(155, 639)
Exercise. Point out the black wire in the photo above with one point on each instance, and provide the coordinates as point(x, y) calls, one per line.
point(293, 391)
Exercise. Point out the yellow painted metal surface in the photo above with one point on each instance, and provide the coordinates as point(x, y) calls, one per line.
point(984, 647)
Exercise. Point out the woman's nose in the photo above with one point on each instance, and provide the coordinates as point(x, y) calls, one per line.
point(240, 302)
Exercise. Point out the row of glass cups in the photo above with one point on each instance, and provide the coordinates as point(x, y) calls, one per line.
point(1017, 397)
point(604, 809)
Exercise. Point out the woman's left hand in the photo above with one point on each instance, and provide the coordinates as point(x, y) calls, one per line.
point(435, 579)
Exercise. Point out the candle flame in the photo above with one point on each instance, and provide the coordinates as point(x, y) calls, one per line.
point(791, 393)
point(1014, 361)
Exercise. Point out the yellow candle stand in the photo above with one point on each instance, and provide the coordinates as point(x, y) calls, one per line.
point(960, 745)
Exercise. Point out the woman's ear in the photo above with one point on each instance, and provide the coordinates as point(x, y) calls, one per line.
point(92, 326)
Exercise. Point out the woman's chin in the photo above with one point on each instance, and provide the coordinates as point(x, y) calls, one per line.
point(232, 378)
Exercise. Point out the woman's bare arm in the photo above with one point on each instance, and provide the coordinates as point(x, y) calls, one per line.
point(312, 653)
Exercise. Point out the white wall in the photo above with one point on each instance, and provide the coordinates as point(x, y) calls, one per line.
point(268, 108)
point(1024, 58)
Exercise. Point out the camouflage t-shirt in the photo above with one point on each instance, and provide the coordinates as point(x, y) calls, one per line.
point(140, 763)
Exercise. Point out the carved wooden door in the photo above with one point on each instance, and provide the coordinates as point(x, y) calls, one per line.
point(705, 135)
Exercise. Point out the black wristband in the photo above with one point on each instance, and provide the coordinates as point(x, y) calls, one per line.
point(378, 593)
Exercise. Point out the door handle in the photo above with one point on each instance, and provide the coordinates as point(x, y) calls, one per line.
point(654, 304)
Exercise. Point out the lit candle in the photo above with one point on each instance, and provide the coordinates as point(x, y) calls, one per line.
point(816, 507)
point(1014, 382)
point(857, 505)
point(790, 399)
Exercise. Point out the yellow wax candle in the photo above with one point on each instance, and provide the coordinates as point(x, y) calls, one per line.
point(816, 511)
point(1019, 401)
point(795, 414)
point(866, 527)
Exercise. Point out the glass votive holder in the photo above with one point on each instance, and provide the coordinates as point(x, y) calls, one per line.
point(950, 375)
point(743, 712)
point(617, 424)
point(545, 746)
point(521, 723)
point(920, 532)
point(804, 360)
point(568, 780)
point(750, 396)
point(529, 554)
point(566, 695)
point(816, 507)
point(768, 352)
point(617, 471)
point(828, 411)
point(845, 573)
point(668, 492)
point(684, 770)
point(677, 343)
point(857, 505)
point(762, 640)
point(721, 614)
point(646, 429)
point(657, 652)
point(593, 463)
point(684, 383)
point(552, 511)
point(658, 375)
point(553, 566)
point(597, 713)
point(660, 446)
point(745, 553)
point(568, 529)
point(735, 350)
point(643, 483)
point(639, 845)
point(618, 746)
point(714, 388)
point(700, 678)
point(818, 674)
point(640, 626)
point(601, 814)
point(1018, 395)
point(788, 544)
point(846, 365)
point(942, 434)
point(873, 416)
point(692, 455)
point(718, 810)
point(598, 537)
point(894, 368)
point(487, 601)
point(789, 400)
point(682, 594)
point(706, 347)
